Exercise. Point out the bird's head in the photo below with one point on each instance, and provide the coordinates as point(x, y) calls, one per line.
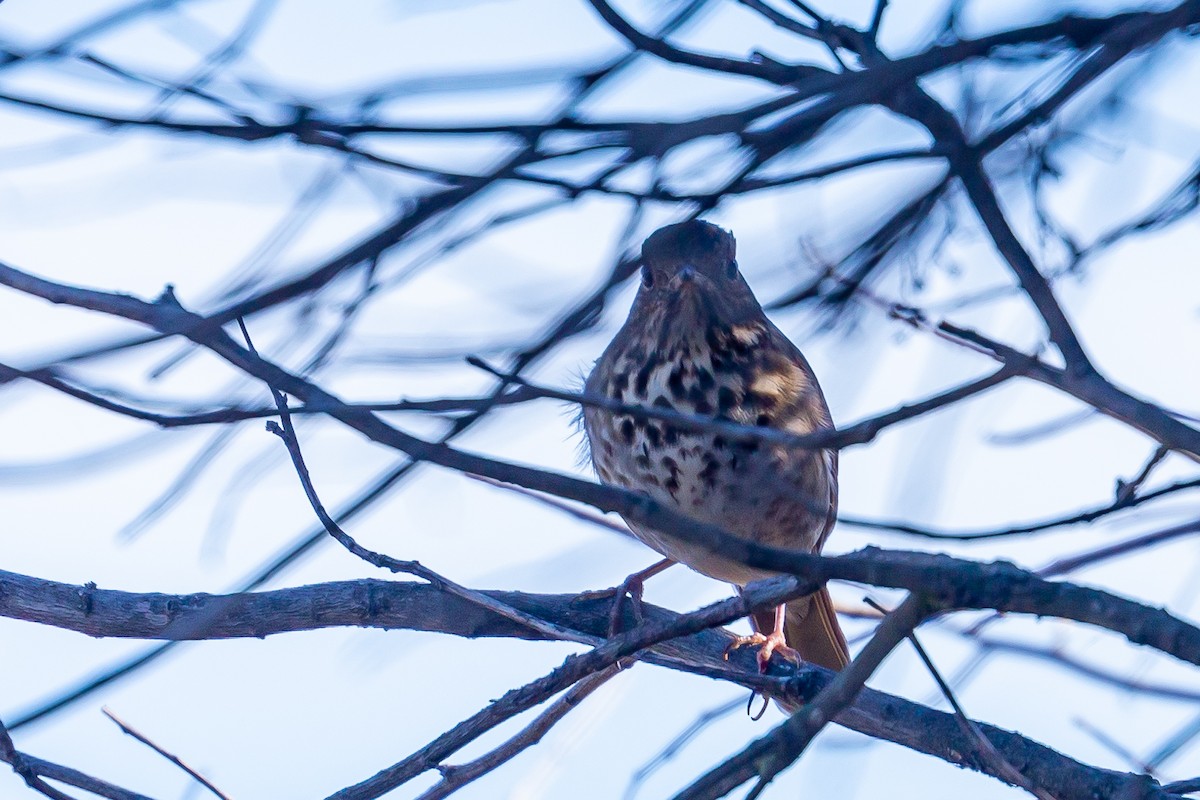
point(690, 270)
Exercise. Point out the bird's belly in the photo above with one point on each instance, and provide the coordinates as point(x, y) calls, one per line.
point(762, 494)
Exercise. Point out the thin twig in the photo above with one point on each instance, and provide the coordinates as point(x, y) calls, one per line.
point(553, 502)
point(454, 777)
point(1129, 489)
point(1113, 746)
point(287, 433)
point(1189, 786)
point(141, 737)
point(678, 743)
point(877, 19)
point(41, 768)
point(860, 432)
point(983, 745)
point(1076, 518)
point(21, 766)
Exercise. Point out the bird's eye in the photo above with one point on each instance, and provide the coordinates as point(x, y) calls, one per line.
point(647, 277)
point(732, 270)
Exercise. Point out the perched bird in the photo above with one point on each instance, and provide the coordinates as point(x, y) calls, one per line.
point(697, 342)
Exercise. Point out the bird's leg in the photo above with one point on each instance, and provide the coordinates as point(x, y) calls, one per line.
point(633, 586)
point(771, 643)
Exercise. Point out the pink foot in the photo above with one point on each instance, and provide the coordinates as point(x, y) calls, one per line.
point(768, 645)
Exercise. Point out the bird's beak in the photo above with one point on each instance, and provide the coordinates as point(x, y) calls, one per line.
point(685, 277)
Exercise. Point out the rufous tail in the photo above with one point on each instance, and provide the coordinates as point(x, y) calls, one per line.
point(814, 631)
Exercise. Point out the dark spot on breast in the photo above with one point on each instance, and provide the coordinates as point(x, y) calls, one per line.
point(746, 447)
point(726, 399)
point(617, 386)
point(662, 402)
point(643, 461)
point(762, 420)
point(709, 473)
point(703, 406)
point(671, 464)
point(704, 379)
point(670, 436)
point(627, 430)
point(719, 443)
point(675, 382)
point(643, 378)
point(654, 434)
point(671, 485)
point(714, 339)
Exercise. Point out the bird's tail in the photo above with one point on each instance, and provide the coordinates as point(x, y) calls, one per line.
point(811, 626)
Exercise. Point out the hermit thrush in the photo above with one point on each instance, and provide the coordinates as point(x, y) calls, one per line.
point(697, 341)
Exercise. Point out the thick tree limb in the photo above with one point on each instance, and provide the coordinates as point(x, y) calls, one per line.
point(421, 607)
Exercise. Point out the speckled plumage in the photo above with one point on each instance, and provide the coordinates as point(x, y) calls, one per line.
point(697, 341)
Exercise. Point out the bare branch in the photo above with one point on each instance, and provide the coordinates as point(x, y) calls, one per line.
point(771, 754)
point(454, 777)
point(667, 52)
point(1094, 390)
point(573, 669)
point(1126, 501)
point(984, 745)
point(415, 606)
point(26, 771)
point(141, 737)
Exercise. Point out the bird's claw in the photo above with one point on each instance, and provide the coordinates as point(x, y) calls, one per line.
point(768, 645)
